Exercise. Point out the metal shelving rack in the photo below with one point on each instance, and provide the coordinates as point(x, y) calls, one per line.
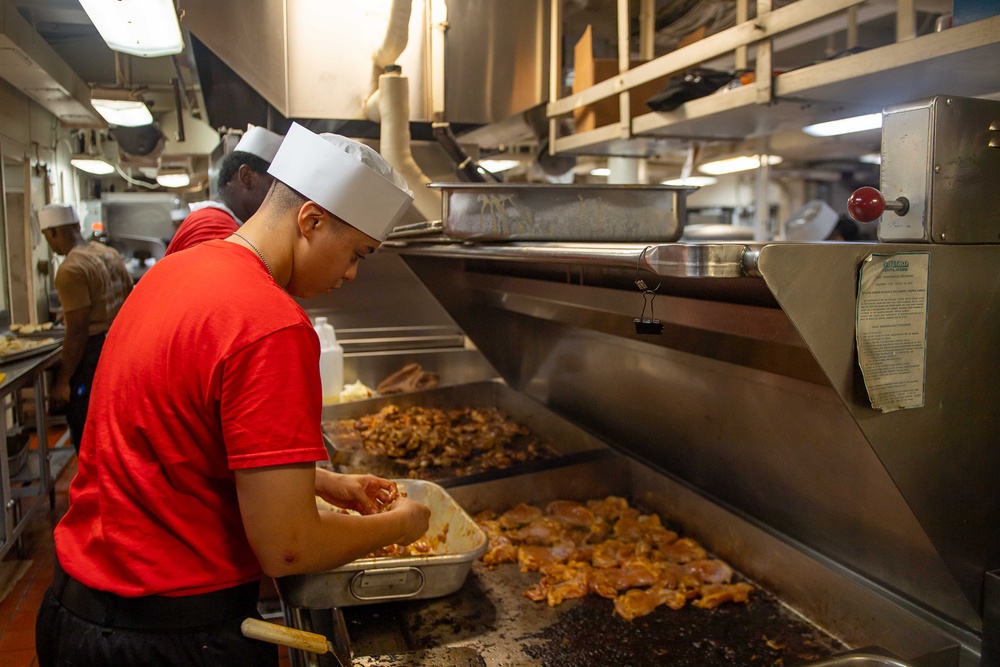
point(948, 62)
point(36, 477)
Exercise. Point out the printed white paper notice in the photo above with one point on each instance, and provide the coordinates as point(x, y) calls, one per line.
point(891, 329)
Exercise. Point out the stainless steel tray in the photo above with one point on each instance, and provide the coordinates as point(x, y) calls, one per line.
point(571, 212)
point(382, 579)
point(31, 352)
point(563, 437)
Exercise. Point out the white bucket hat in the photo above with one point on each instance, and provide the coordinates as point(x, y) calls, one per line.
point(346, 177)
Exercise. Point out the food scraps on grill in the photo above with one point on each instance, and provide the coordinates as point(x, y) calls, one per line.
point(607, 548)
point(434, 443)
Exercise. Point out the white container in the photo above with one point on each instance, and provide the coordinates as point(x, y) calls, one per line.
point(331, 361)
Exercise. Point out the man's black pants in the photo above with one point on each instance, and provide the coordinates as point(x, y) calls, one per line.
point(81, 627)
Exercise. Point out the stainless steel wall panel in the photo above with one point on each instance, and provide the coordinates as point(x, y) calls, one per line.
point(496, 58)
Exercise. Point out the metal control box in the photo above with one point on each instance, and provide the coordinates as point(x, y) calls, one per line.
point(943, 156)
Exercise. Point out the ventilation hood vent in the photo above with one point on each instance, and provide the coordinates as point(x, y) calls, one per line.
point(29, 64)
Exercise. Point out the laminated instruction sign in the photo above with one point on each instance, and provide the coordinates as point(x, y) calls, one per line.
point(891, 329)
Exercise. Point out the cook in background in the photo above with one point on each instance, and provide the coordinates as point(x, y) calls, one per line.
point(197, 472)
point(92, 283)
point(243, 182)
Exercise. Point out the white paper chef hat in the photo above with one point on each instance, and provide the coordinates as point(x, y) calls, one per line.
point(346, 177)
point(260, 142)
point(57, 215)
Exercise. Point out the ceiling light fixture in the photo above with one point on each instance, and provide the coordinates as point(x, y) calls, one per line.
point(496, 166)
point(145, 28)
point(871, 158)
point(692, 181)
point(92, 165)
point(735, 164)
point(872, 121)
point(600, 171)
point(121, 107)
point(173, 180)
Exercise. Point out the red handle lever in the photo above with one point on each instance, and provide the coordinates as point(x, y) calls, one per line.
point(867, 205)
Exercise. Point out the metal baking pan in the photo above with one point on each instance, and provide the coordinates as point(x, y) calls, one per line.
point(383, 579)
point(30, 352)
point(570, 212)
point(565, 439)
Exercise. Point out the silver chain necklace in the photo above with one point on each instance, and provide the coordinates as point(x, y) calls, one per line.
point(247, 241)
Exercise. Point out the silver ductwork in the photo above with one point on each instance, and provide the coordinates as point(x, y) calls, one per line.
point(314, 59)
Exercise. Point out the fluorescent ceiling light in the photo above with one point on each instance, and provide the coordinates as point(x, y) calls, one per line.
point(872, 121)
point(496, 166)
point(600, 171)
point(92, 165)
point(734, 164)
point(127, 113)
point(175, 180)
point(146, 28)
point(692, 181)
point(871, 158)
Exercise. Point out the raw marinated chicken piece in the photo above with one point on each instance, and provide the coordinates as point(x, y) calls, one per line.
point(520, 515)
point(611, 553)
point(501, 551)
point(542, 531)
point(533, 558)
point(683, 550)
point(610, 508)
point(607, 582)
point(640, 602)
point(570, 513)
point(713, 595)
point(565, 582)
point(710, 571)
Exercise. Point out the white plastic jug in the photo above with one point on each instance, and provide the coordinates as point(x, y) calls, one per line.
point(331, 360)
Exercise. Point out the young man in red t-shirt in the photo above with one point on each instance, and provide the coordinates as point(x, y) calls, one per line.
point(197, 473)
point(242, 183)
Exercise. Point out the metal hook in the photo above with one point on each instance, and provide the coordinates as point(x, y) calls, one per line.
point(639, 282)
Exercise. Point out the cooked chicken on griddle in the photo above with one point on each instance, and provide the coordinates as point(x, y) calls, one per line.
point(608, 548)
point(434, 443)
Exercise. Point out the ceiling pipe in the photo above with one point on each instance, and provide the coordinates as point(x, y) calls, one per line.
point(394, 146)
point(397, 34)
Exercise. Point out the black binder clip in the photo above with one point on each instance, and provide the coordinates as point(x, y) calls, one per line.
point(651, 326)
point(643, 326)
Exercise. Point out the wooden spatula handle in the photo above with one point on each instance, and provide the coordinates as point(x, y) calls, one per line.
point(284, 636)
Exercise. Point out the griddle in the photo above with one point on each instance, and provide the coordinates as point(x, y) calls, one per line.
point(490, 615)
point(562, 442)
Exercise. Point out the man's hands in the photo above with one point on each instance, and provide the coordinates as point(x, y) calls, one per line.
point(58, 397)
point(368, 494)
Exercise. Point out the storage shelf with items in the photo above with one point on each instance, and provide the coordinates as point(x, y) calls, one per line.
point(912, 67)
point(26, 472)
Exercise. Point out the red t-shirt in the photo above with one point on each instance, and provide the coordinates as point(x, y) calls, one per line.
point(210, 367)
point(202, 225)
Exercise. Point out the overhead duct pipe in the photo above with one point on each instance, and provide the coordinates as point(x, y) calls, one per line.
point(394, 104)
point(397, 34)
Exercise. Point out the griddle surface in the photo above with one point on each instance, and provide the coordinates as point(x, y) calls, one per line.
point(490, 615)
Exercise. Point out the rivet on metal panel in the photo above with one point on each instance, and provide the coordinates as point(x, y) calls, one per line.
point(937, 169)
point(944, 236)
